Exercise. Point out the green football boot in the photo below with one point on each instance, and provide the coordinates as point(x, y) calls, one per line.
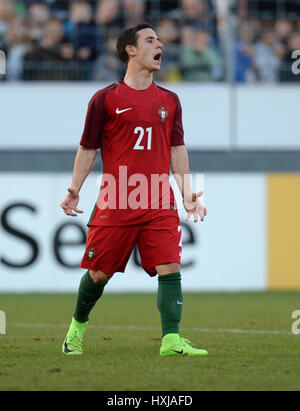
point(72, 344)
point(173, 344)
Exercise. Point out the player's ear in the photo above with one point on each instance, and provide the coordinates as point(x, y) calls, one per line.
point(131, 50)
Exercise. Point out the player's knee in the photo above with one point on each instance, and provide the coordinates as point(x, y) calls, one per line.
point(99, 277)
point(168, 268)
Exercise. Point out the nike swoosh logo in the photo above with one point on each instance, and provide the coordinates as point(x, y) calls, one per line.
point(66, 349)
point(122, 111)
point(178, 352)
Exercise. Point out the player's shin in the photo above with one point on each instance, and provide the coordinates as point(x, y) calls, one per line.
point(169, 302)
point(88, 294)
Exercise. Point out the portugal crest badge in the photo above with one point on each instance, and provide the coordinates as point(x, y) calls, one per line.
point(163, 114)
point(91, 253)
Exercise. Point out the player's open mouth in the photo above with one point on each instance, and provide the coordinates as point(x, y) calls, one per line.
point(157, 57)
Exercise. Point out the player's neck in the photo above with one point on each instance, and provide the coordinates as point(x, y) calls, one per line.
point(138, 80)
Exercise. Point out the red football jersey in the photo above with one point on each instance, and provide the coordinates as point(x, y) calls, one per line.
point(134, 130)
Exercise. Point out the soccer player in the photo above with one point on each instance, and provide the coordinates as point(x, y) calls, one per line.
point(138, 127)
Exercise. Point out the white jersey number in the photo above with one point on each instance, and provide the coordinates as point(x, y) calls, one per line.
point(180, 231)
point(140, 131)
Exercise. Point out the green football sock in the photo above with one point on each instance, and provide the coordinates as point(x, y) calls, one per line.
point(169, 302)
point(88, 294)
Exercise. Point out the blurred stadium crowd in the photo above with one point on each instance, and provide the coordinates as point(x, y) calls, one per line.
point(75, 39)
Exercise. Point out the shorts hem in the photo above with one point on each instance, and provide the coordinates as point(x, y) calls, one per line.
point(152, 271)
point(97, 268)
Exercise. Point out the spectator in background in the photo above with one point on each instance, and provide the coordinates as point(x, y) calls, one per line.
point(187, 35)
point(134, 12)
point(38, 15)
point(244, 52)
point(16, 44)
point(81, 31)
point(267, 56)
point(198, 60)
point(167, 31)
point(283, 28)
point(7, 14)
point(198, 14)
point(108, 66)
point(108, 14)
point(50, 43)
point(194, 10)
point(70, 68)
point(48, 52)
point(286, 74)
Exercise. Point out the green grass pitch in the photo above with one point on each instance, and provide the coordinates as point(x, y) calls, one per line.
point(248, 336)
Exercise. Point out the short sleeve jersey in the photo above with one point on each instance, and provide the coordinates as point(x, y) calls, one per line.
point(135, 130)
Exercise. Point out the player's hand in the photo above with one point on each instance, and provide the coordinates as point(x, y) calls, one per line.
point(69, 205)
point(194, 207)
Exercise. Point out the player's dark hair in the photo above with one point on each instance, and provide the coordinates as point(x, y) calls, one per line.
point(129, 37)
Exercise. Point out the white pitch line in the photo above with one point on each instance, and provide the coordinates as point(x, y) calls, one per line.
point(134, 327)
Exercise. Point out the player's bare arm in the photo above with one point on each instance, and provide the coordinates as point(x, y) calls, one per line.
point(181, 171)
point(84, 161)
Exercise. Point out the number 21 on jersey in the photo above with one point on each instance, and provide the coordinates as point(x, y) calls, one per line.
point(141, 131)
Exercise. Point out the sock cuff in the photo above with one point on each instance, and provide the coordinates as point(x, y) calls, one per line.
point(169, 277)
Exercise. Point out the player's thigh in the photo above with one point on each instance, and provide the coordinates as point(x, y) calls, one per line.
point(108, 249)
point(159, 245)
